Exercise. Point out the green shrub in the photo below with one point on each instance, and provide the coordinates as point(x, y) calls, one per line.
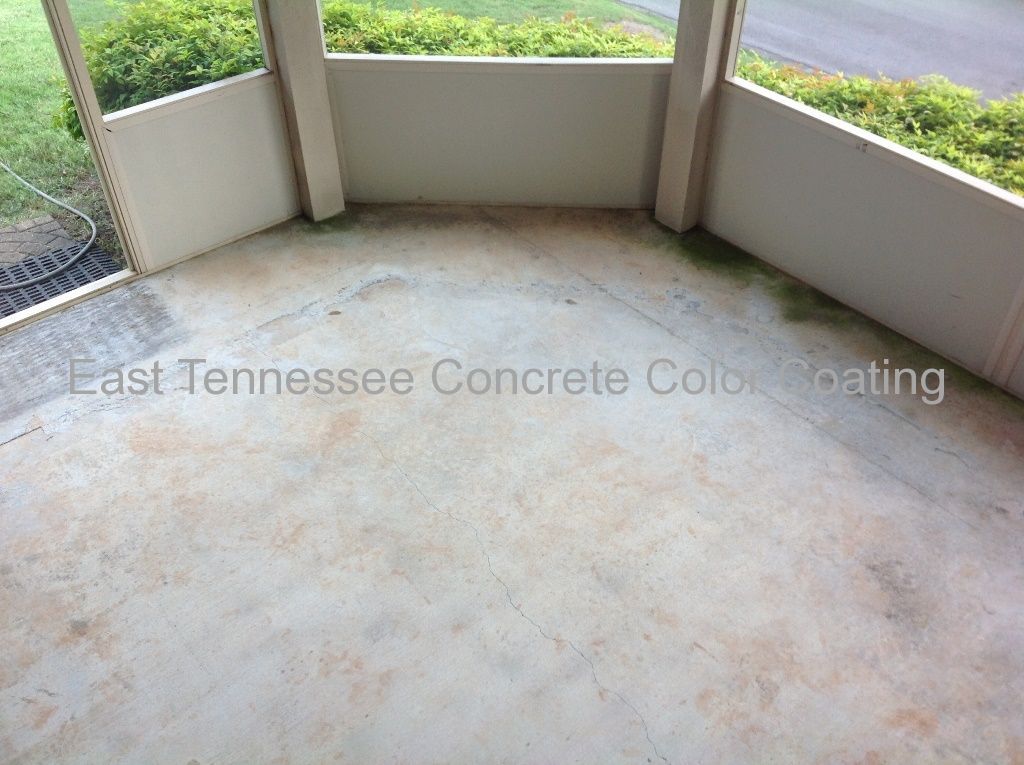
point(932, 116)
point(160, 47)
point(357, 28)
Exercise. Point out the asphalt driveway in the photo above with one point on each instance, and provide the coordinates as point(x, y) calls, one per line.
point(979, 43)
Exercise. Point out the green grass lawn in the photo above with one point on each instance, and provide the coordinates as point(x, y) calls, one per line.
point(30, 90)
point(601, 11)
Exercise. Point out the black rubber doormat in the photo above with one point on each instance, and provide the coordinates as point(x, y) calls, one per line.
point(94, 265)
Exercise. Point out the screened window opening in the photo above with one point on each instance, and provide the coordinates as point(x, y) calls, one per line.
point(137, 52)
point(943, 79)
point(502, 28)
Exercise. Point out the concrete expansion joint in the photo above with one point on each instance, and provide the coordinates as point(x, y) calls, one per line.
point(653, 320)
point(508, 594)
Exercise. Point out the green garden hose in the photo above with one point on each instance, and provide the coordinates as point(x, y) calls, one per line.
point(71, 261)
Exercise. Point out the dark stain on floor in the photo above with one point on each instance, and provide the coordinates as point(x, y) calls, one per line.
point(118, 328)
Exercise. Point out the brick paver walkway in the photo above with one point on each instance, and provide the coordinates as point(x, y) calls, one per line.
point(32, 237)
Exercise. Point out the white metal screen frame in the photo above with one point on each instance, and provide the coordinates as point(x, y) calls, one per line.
point(96, 125)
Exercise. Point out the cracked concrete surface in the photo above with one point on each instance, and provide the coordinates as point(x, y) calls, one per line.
point(517, 607)
point(426, 578)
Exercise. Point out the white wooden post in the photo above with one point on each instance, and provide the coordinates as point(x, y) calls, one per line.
point(703, 49)
point(298, 45)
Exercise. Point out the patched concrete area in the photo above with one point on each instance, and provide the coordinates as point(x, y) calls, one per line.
point(778, 575)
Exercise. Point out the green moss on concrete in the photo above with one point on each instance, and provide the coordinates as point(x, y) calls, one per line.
point(910, 354)
point(800, 303)
point(711, 253)
point(344, 221)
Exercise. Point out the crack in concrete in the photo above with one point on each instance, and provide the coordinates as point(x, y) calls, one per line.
point(953, 454)
point(21, 435)
point(508, 594)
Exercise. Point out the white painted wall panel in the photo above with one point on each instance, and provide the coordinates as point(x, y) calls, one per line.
point(207, 170)
point(500, 133)
point(934, 262)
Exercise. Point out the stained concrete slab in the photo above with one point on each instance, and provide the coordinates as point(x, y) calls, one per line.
point(777, 576)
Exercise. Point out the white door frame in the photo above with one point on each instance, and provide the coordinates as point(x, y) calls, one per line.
point(69, 50)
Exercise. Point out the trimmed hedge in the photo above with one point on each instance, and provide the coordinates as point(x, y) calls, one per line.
point(932, 116)
point(160, 47)
point(357, 28)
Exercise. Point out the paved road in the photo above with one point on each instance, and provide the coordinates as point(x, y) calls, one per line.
point(979, 43)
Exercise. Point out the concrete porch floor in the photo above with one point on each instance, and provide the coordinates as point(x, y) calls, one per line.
point(776, 577)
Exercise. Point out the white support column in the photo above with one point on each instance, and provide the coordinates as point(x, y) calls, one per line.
point(298, 46)
point(704, 43)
